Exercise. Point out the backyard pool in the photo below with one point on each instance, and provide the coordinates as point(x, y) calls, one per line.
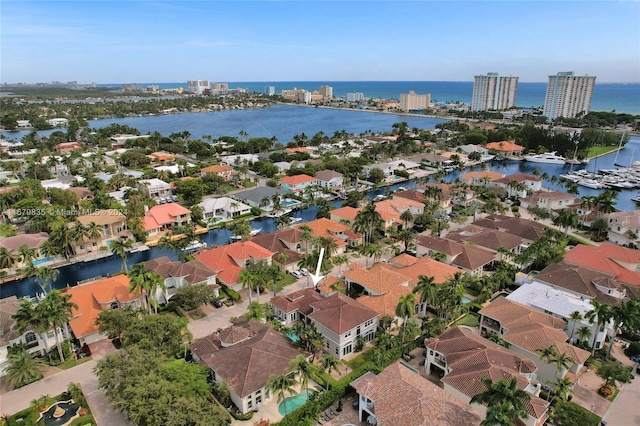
point(292, 335)
point(289, 203)
point(39, 262)
point(294, 402)
point(465, 300)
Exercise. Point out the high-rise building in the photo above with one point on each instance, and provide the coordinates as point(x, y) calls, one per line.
point(270, 90)
point(568, 95)
point(326, 92)
point(413, 102)
point(219, 88)
point(197, 86)
point(492, 92)
point(355, 97)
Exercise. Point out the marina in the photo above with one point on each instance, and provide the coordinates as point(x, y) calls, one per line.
point(547, 158)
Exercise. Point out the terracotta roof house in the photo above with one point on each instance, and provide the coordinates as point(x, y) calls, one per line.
point(295, 306)
point(623, 226)
point(286, 244)
point(505, 147)
point(36, 342)
point(161, 156)
point(527, 229)
point(224, 171)
point(330, 179)
point(230, 259)
point(470, 259)
point(82, 193)
point(410, 194)
point(177, 275)
point(489, 239)
point(562, 303)
point(342, 320)
point(518, 184)
point(297, 149)
point(483, 178)
point(165, 216)
point(346, 213)
point(465, 358)
point(297, 182)
point(113, 225)
point(97, 296)
point(528, 331)
point(65, 147)
point(32, 241)
point(550, 200)
point(400, 396)
point(621, 262)
point(243, 357)
point(343, 235)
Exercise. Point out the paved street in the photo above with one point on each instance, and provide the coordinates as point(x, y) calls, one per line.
point(624, 410)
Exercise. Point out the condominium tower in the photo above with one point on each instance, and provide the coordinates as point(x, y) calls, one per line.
point(568, 95)
point(491, 92)
point(197, 86)
point(413, 102)
point(326, 92)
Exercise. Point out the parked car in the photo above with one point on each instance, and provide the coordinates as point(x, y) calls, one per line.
point(174, 198)
point(635, 358)
point(218, 303)
point(304, 271)
point(296, 274)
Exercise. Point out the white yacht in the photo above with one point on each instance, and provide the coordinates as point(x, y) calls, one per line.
point(549, 158)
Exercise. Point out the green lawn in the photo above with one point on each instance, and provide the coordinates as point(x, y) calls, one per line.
point(73, 362)
point(470, 320)
point(599, 150)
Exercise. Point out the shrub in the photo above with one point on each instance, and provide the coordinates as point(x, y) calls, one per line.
point(633, 349)
point(255, 211)
point(231, 294)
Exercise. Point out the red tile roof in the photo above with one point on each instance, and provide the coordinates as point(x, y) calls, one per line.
point(89, 298)
point(297, 179)
point(402, 397)
point(230, 259)
point(340, 313)
point(164, 214)
point(504, 146)
point(608, 258)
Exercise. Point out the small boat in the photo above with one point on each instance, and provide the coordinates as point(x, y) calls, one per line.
point(548, 158)
point(195, 245)
point(279, 213)
point(253, 233)
point(296, 219)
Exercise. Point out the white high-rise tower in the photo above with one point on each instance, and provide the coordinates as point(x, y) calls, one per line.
point(491, 92)
point(568, 95)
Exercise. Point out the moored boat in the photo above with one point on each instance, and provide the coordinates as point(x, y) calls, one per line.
point(548, 158)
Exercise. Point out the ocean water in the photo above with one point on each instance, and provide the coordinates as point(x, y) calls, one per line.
point(619, 97)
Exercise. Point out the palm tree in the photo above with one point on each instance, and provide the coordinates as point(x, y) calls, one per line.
point(301, 366)
point(7, 259)
point(583, 333)
point(58, 310)
point(563, 388)
point(23, 368)
point(627, 313)
point(329, 363)
point(427, 290)
point(575, 316)
point(408, 218)
point(26, 254)
point(340, 260)
point(45, 275)
point(280, 385)
point(94, 231)
point(138, 284)
point(600, 314)
point(406, 308)
point(367, 221)
point(407, 237)
point(248, 279)
point(120, 247)
point(28, 318)
point(504, 398)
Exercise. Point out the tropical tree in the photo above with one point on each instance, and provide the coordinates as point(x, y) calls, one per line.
point(427, 289)
point(28, 318)
point(563, 388)
point(329, 363)
point(612, 372)
point(367, 222)
point(583, 333)
point(575, 316)
point(600, 314)
point(7, 259)
point(302, 367)
point(120, 247)
point(505, 402)
point(45, 275)
point(408, 237)
point(26, 254)
point(627, 313)
point(23, 368)
point(340, 260)
point(406, 308)
point(280, 386)
point(58, 309)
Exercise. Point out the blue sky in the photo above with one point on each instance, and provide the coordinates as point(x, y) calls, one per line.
point(154, 41)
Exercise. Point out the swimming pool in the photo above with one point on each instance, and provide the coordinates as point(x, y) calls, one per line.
point(294, 402)
point(44, 260)
point(292, 335)
point(289, 203)
point(465, 300)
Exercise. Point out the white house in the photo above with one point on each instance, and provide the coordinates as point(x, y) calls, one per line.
point(223, 208)
point(329, 179)
point(155, 188)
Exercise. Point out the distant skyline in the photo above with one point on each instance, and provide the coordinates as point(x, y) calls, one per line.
point(176, 41)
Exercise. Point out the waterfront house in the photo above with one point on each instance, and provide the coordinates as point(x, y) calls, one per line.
point(222, 208)
point(549, 200)
point(505, 148)
point(36, 341)
point(490, 239)
point(119, 140)
point(97, 296)
point(518, 185)
point(261, 196)
point(226, 172)
point(112, 226)
point(67, 147)
point(342, 234)
point(237, 159)
point(524, 228)
point(230, 259)
point(177, 275)
point(330, 179)
point(31, 241)
point(297, 182)
point(400, 396)
point(286, 244)
point(482, 178)
point(243, 356)
point(529, 331)
point(624, 227)
point(155, 188)
point(164, 217)
point(463, 358)
point(621, 262)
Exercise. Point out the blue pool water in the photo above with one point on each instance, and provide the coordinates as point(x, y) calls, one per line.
point(294, 402)
point(292, 335)
point(38, 262)
point(465, 300)
point(289, 203)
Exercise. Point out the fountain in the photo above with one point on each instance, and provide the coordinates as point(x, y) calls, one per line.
point(59, 414)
